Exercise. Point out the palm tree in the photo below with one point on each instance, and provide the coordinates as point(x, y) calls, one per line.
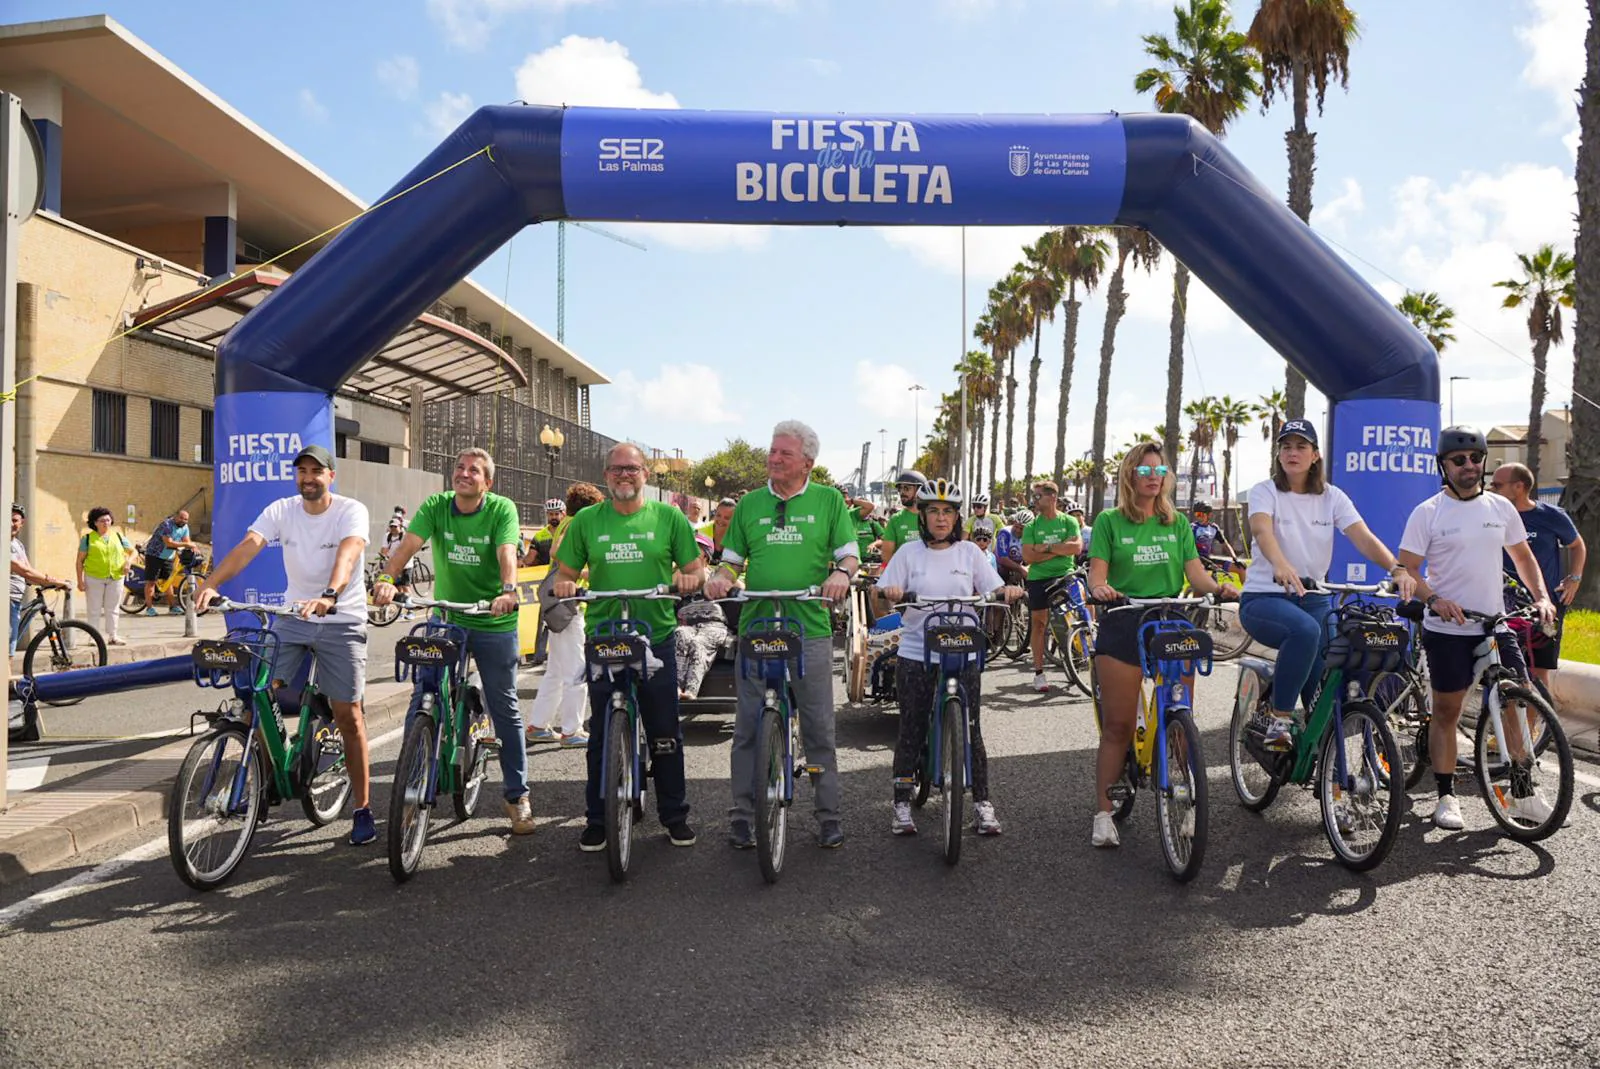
point(1271, 410)
point(978, 371)
point(1204, 413)
point(1546, 286)
point(1080, 257)
point(1582, 496)
point(1234, 416)
point(1209, 74)
point(1429, 315)
point(1301, 42)
point(1041, 289)
point(1145, 252)
point(1011, 320)
point(1078, 473)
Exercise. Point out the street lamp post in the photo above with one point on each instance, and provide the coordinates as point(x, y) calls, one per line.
point(552, 439)
point(916, 415)
point(1453, 380)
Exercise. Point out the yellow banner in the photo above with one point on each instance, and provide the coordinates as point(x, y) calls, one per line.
point(528, 580)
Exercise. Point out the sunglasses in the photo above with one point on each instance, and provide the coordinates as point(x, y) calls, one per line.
point(981, 538)
point(1461, 460)
point(1146, 469)
point(781, 518)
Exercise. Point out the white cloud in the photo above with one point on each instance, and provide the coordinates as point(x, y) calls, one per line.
point(399, 75)
point(676, 389)
point(311, 107)
point(1554, 41)
point(885, 391)
point(589, 71)
point(469, 23)
point(1333, 216)
point(991, 250)
point(447, 112)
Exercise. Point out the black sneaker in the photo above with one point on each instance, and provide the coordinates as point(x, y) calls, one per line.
point(680, 833)
point(831, 835)
point(740, 835)
point(593, 839)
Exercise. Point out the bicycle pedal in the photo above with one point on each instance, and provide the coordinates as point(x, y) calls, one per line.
point(1119, 792)
point(812, 770)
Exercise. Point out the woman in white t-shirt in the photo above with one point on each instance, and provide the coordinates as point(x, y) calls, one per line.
point(1292, 519)
point(940, 565)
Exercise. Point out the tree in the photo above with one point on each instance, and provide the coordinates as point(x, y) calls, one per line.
point(739, 466)
point(1145, 252)
point(1081, 255)
point(1205, 413)
point(978, 372)
point(1546, 286)
point(1207, 72)
point(1011, 320)
point(1233, 415)
point(1271, 410)
point(1582, 496)
point(1431, 316)
point(1301, 43)
point(1041, 289)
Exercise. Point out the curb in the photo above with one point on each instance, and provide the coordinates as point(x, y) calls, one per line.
point(1576, 688)
point(28, 853)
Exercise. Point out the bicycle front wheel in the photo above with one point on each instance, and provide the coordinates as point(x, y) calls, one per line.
point(772, 810)
point(421, 578)
point(324, 779)
point(1403, 702)
point(953, 774)
point(617, 783)
point(211, 814)
point(132, 603)
point(1361, 814)
point(1181, 807)
point(1516, 781)
point(49, 652)
point(1078, 659)
point(1253, 782)
point(409, 810)
point(472, 757)
point(383, 615)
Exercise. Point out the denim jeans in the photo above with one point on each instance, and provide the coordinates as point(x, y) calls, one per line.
point(658, 706)
point(813, 693)
point(1294, 626)
point(495, 654)
point(16, 618)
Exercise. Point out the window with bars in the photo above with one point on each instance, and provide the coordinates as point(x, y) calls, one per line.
point(207, 433)
point(163, 430)
point(375, 452)
point(110, 422)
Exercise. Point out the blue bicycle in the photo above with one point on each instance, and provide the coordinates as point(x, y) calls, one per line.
point(1069, 642)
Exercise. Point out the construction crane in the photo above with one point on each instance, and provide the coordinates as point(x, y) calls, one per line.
point(561, 267)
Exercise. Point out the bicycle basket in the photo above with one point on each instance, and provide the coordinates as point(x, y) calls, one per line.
point(426, 651)
point(234, 662)
point(616, 650)
point(779, 644)
point(214, 656)
point(1181, 644)
point(954, 639)
point(1368, 646)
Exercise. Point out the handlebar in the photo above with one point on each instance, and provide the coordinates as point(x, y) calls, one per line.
point(655, 593)
point(467, 608)
point(262, 611)
point(810, 593)
point(911, 601)
point(1124, 603)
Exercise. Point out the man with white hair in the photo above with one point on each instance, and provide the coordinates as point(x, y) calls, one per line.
point(790, 535)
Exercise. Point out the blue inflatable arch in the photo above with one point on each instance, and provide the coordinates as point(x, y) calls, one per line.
point(277, 370)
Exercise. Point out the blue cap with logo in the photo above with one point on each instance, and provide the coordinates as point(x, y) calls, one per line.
point(1302, 427)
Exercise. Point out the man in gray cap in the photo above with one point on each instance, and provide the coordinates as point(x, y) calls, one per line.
point(323, 536)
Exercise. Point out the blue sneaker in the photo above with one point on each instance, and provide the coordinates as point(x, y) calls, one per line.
point(363, 829)
point(151, 611)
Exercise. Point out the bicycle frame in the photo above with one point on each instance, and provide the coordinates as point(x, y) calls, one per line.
point(624, 679)
point(947, 686)
point(774, 672)
point(255, 694)
point(1150, 747)
point(444, 681)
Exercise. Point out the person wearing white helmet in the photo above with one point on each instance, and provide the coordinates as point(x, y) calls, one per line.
point(903, 525)
point(555, 510)
point(980, 516)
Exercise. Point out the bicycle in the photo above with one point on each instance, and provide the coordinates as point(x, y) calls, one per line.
point(1221, 618)
point(243, 765)
point(60, 645)
point(1165, 750)
point(379, 615)
point(1070, 639)
point(433, 760)
point(856, 667)
point(1359, 793)
point(955, 637)
point(421, 574)
point(619, 649)
point(767, 649)
point(189, 570)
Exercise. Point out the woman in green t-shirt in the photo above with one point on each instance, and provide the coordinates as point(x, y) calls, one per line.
point(1142, 549)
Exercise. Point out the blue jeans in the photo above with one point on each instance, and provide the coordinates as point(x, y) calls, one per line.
point(658, 707)
point(16, 620)
point(1293, 626)
point(495, 653)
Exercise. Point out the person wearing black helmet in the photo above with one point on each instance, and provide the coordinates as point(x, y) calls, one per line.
point(22, 572)
point(1460, 532)
point(902, 528)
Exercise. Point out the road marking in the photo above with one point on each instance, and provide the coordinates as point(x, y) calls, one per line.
point(151, 850)
point(26, 773)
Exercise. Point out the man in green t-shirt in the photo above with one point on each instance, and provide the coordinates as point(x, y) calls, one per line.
point(1050, 545)
point(474, 534)
point(629, 543)
point(868, 530)
point(790, 535)
point(902, 528)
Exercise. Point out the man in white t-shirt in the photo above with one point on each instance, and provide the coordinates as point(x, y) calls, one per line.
point(323, 537)
point(1461, 532)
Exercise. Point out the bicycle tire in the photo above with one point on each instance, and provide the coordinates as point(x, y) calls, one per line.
point(210, 757)
point(323, 773)
point(1079, 659)
point(1404, 704)
point(408, 815)
point(421, 578)
point(88, 652)
point(953, 773)
point(617, 762)
point(1022, 631)
point(772, 830)
point(1372, 799)
point(472, 759)
point(1184, 853)
point(1255, 786)
point(1228, 637)
point(1498, 776)
point(383, 615)
point(132, 603)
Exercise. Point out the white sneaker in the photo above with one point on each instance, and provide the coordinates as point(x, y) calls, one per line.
point(1447, 814)
point(1187, 829)
point(1105, 830)
point(1040, 683)
point(984, 821)
point(903, 824)
point(1533, 809)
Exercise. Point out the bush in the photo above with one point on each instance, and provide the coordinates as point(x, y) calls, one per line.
point(1580, 639)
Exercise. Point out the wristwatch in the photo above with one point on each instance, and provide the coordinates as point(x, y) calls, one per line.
point(508, 588)
point(330, 593)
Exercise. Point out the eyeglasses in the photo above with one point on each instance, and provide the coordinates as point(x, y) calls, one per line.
point(1461, 460)
point(781, 517)
point(1146, 469)
point(624, 469)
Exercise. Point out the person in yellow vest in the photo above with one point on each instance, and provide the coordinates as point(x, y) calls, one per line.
point(104, 557)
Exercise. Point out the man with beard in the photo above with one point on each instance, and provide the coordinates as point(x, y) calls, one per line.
point(902, 528)
point(323, 537)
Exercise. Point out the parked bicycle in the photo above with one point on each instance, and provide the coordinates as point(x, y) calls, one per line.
point(60, 645)
point(1221, 618)
point(379, 615)
point(189, 570)
point(1069, 645)
point(243, 765)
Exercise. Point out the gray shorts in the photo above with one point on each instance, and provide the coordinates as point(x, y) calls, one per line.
point(338, 647)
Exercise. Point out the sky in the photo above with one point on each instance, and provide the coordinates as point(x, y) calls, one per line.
point(1451, 152)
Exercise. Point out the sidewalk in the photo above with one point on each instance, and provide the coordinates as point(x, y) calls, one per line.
point(148, 638)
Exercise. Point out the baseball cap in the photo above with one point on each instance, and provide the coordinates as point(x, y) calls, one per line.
point(317, 453)
point(1302, 427)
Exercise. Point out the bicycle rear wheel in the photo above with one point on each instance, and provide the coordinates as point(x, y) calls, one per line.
point(1513, 778)
point(772, 811)
point(1021, 630)
point(472, 757)
point(617, 782)
point(324, 779)
point(48, 652)
point(132, 603)
point(1181, 808)
point(953, 774)
point(421, 578)
point(1228, 636)
point(1255, 785)
point(208, 832)
point(383, 615)
point(409, 810)
point(1079, 659)
point(1361, 816)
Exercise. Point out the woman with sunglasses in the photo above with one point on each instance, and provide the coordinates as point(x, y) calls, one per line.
point(1292, 519)
point(1142, 549)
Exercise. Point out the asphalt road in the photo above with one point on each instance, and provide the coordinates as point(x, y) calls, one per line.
point(1461, 949)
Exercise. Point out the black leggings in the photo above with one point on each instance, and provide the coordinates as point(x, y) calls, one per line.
point(914, 683)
